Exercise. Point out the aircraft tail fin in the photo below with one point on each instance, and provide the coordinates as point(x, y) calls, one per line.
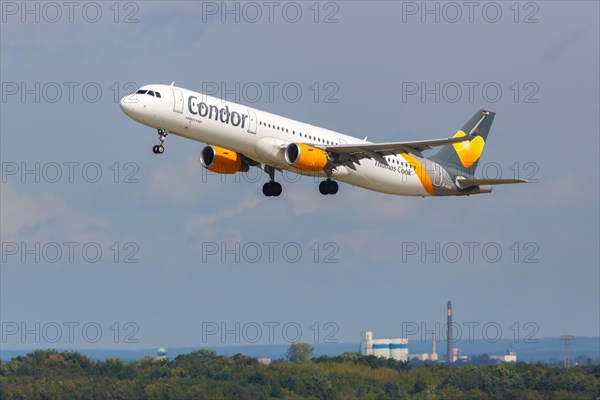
point(462, 158)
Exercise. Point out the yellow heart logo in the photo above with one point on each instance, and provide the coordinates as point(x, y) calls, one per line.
point(468, 151)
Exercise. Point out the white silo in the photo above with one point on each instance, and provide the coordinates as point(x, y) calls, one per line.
point(399, 349)
point(366, 343)
point(381, 348)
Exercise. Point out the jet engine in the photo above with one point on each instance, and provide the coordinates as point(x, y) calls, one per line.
point(305, 157)
point(221, 160)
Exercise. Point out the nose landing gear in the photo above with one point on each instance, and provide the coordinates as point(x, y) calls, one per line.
point(159, 148)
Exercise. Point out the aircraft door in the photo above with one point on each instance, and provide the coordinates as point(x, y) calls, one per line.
point(437, 174)
point(177, 101)
point(252, 122)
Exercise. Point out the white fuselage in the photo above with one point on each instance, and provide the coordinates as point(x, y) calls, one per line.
point(262, 136)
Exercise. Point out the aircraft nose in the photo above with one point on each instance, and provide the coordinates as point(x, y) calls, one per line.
point(126, 105)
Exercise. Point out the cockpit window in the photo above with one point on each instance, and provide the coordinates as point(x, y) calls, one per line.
point(149, 93)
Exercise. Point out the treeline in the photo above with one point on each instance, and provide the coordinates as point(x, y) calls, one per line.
point(203, 374)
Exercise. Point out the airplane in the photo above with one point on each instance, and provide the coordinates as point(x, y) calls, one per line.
point(239, 137)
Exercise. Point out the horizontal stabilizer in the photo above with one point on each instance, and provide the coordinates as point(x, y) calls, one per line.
point(465, 183)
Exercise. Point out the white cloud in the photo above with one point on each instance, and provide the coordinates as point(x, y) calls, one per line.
point(44, 218)
point(18, 212)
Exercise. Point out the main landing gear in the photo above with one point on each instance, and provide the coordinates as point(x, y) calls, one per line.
point(271, 188)
point(159, 148)
point(328, 187)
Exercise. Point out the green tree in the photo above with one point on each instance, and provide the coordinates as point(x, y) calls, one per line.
point(483, 359)
point(299, 352)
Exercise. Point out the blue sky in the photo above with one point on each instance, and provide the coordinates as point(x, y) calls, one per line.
point(170, 215)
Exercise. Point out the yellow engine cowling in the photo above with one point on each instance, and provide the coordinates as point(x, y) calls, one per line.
point(305, 157)
point(221, 160)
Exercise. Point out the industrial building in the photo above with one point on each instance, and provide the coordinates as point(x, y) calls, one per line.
point(433, 356)
point(510, 356)
point(396, 348)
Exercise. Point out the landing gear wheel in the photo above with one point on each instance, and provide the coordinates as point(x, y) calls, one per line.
point(328, 187)
point(333, 187)
point(324, 188)
point(276, 188)
point(158, 149)
point(267, 189)
point(272, 188)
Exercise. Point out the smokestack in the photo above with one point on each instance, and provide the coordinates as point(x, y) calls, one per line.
point(450, 351)
point(433, 345)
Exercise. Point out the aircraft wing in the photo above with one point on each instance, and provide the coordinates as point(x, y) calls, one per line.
point(354, 152)
point(465, 183)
